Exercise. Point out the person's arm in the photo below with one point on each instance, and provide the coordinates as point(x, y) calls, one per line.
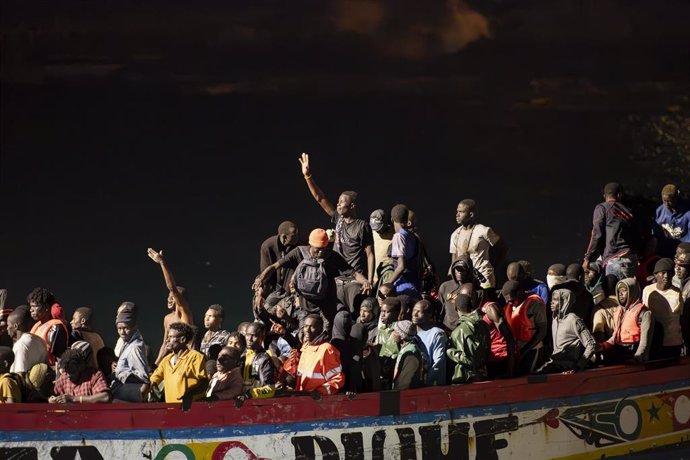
point(335, 379)
point(184, 312)
point(646, 333)
point(366, 284)
point(315, 190)
point(163, 351)
point(371, 262)
point(596, 241)
point(587, 341)
point(501, 324)
point(438, 357)
point(259, 280)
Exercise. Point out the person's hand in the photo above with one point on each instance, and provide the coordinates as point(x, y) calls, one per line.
point(304, 161)
point(52, 399)
point(62, 399)
point(366, 287)
point(155, 256)
point(277, 328)
point(568, 372)
point(585, 264)
point(256, 285)
point(144, 390)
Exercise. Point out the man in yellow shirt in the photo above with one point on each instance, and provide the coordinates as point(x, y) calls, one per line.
point(9, 388)
point(183, 370)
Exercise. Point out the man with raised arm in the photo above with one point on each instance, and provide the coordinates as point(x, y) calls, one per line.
point(353, 236)
point(177, 303)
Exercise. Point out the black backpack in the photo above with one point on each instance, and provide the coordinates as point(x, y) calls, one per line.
point(310, 276)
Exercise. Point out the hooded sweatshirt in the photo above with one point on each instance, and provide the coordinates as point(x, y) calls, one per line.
point(450, 289)
point(573, 344)
point(644, 321)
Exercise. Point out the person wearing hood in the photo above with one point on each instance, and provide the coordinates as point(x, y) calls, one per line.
point(470, 342)
point(461, 272)
point(132, 370)
point(604, 320)
point(573, 344)
point(350, 351)
point(663, 299)
point(319, 367)
point(369, 318)
point(594, 278)
point(633, 336)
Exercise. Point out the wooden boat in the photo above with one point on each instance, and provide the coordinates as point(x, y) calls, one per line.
point(593, 414)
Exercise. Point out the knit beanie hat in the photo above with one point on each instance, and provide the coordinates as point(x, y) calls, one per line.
point(405, 329)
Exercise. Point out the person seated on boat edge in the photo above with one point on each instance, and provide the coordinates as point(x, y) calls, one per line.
point(663, 300)
point(316, 267)
point(53, 331)
point(215, 334)
point(387, 349)
point(524, 276)
point(28, 349)
point(182, 371)
point(354, 239)
point(81, 330)
point(477, 241)
point(10, 390)
point(409, 371)
point(606, 313)
point(132, 369)
point(226, 382)
point(318, 366)
point(273, 249)
point(258, 369)
point(573, 343)
point(526, 316)
point(470, 341)
point(672, 221)
point(178, 304)
point(635, 327)
point(78, 382)
point(350, 351)
point(433, 343)
point(404, 251)
point(503, 352)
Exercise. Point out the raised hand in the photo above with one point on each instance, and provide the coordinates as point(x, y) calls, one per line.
point(304, 161)
point(155, 256)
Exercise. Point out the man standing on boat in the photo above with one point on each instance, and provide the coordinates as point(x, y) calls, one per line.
point(273, 249)
point(615, 236)
point(180, 311)
point(353, 236)
point(476, 240)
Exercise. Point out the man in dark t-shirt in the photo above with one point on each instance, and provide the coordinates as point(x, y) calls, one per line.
point(274, 248)
point(334, 265)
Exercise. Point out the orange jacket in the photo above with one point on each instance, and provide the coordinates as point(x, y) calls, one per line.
point(319, 369)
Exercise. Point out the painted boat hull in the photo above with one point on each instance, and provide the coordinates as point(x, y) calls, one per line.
point(600, 412)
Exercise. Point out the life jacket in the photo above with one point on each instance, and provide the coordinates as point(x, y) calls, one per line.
point(319, 369)
point(311, 279)
point(43, 329)
point(419, 377)
point(499, 345)
point(520, 325)
point(629, 330)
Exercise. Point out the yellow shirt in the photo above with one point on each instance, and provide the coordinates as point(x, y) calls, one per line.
point(188, 371)
point(9, 389)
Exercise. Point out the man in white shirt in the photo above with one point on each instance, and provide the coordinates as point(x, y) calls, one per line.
point(28, 349)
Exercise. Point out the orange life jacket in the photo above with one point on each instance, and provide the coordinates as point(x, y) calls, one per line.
point(629, 320)
point(43, 329)
point(499, 345)
point(520, 325)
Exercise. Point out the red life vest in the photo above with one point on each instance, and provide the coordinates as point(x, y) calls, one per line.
point(499, 346)
point(629, 330)
point(520, 324)
point(42, 330)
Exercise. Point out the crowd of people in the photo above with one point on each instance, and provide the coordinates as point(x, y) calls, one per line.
point(362, 308)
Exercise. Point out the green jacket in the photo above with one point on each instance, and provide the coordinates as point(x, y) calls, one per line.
point(471, 342)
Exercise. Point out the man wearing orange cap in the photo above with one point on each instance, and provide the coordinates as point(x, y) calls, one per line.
point(316, 267)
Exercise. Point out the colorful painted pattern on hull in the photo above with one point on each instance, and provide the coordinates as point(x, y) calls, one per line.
point(582, 425)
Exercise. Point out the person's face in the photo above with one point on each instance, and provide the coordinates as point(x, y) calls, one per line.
point(12, 327)
point(590, 277)
point(280, 312)
point(387, 314)
point(225, 361)
point(212, 320)
point(77, 320)
point(74, 371)
point(37, 310)
point(345, 205)
point(319, 253)
point(312, 328)
point(420, 314)
point(125, 331)
point(176, 341)
point(623, 295)
point(289, 238)
point(171, 301)
point(510, 297)
point(396, 337)
point(461, 273)
point(366, 315)
point(669, 200)
point(682, 271)
point(463, 216)
point(663, 279)
point(235, 343)
point(555, 301)
point(253, 337)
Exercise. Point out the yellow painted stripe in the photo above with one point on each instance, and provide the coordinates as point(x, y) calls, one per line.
point(632, 447)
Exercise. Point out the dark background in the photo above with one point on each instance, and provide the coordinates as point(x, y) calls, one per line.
point(178, 125)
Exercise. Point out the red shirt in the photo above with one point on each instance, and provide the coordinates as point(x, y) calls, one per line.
point(93, 382)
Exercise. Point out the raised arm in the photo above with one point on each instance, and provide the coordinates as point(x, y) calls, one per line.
point(184, 312)
point(315, 190)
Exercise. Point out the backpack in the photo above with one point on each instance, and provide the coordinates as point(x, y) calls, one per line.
point(310, 276)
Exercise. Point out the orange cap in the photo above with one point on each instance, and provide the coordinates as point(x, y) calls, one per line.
point(318, 238)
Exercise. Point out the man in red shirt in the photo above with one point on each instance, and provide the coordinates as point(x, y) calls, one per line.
point(77, 382)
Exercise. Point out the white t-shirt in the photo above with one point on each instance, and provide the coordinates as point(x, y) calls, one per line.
point(29, 350)
point(476, 242)
point(666, 309)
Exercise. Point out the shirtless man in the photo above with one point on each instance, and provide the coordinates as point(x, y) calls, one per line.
point(180, 312)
